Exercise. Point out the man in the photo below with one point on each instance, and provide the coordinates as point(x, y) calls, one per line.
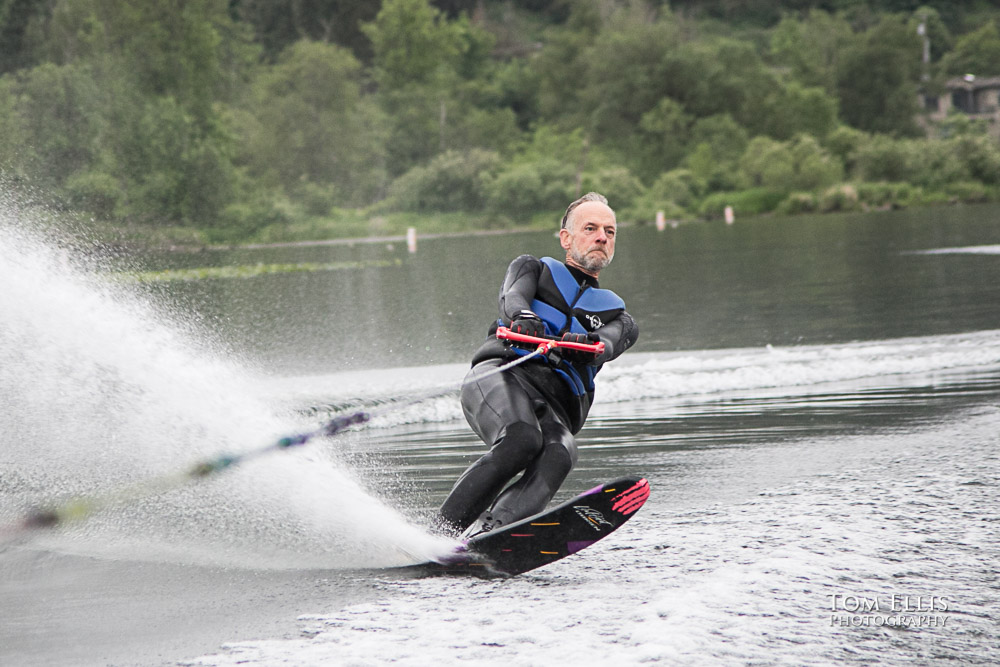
point(529, 414)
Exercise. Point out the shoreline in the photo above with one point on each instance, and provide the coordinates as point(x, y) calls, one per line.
point(392, 238)
point(167, 244)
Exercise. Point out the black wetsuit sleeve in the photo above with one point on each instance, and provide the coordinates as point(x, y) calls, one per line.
point(617, 335)
point(520, 285)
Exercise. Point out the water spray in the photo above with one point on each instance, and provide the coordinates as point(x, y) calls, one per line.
point(82, 508)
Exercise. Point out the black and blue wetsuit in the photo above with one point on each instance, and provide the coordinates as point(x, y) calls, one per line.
point(529, 413)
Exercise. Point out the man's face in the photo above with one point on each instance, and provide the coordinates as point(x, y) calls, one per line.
point(589, 237)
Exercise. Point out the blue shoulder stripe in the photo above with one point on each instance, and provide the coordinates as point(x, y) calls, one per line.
point(564, 280)
point(593, 300)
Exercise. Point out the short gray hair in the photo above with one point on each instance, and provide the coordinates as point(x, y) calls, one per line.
point(590, 196)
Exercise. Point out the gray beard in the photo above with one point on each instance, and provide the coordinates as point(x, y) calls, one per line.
point(594, 264)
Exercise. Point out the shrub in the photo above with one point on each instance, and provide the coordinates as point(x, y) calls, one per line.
point(843, 142)
point(644, 210)
point(745, 202)
point(938, 162)
point(767, 163)
point(983, 158)
point(316, 199)
point(616, 183)
point(239, 221)
point(799, 164)
point(682, 186)
point(843, 197)
point(674, 193)
point(94, 191)
point(798, 202)
point(969, 192)
point(452, 181)
point(525, 188)
point(814, 166)
point(888, 195)
point(884, 159)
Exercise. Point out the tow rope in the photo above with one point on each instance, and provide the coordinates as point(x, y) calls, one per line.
point(83, 507)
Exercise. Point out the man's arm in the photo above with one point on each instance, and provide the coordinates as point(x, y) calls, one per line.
point(617, 335)
point(520, 285)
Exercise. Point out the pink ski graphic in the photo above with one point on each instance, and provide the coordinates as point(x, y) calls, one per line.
point(631, 499)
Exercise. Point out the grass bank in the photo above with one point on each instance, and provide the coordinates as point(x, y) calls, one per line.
point(340, 225)
point(347, 224)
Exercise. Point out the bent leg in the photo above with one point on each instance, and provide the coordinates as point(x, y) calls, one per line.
point(502, 413)
point(544, 475)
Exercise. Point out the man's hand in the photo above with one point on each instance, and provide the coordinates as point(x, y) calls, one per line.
point(527, 323)
point(578, 356)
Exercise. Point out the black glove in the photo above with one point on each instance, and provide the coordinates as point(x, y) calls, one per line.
point(527, 323)
point(578, 356)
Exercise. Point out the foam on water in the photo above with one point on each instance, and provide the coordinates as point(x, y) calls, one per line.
point(805, 367)
point(691, 375)
point(965, 250)
point(101, 389)
point(791, 576)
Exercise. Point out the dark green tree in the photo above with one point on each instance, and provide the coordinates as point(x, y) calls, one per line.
point(19, 24)
point(664, 135)
point(794, 109)
point(131, 99)
point(279, 23)
point(976, 53)
point(313, 129)
point(878, 78)
point(561, 70)
point(623, 77)
point(433, 84)
point(811, 47)
point(52, 122)
point(717, 142)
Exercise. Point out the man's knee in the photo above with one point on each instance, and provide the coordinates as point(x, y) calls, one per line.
point(521, 442)
point(562, 453)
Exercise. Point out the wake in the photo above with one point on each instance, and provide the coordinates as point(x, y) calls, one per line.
point(101, 390)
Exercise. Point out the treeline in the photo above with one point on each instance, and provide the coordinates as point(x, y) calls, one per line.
point(274, 119)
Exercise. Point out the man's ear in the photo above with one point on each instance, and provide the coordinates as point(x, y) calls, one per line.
point(564, 237)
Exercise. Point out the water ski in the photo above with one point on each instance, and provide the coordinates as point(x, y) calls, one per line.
point(549, 536)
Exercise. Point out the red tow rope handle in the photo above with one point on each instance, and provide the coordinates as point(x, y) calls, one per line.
point(546, 344)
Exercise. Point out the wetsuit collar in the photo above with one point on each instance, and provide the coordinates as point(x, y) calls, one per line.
point(582, 277)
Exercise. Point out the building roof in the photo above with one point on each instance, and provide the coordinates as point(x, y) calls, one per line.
point(972, 82)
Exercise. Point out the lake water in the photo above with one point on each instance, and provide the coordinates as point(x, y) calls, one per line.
point(814, 401)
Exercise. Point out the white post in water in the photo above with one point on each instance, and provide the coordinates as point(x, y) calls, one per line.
point(730, 217)
point(661, 221)
point(411, 239)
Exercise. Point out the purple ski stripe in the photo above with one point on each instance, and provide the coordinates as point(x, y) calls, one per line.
point(573, 547)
